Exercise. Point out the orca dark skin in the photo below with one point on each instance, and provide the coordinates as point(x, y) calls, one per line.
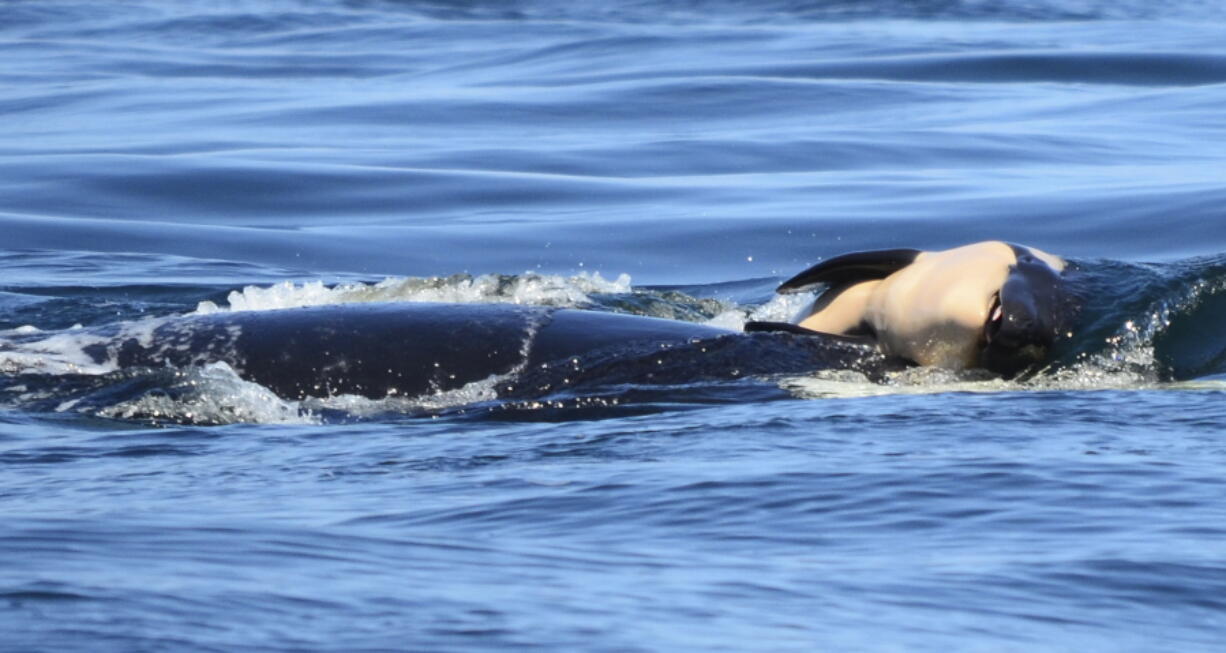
point(1036, 310)
point(414, 349)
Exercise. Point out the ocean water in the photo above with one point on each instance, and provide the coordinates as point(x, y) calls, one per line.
point(671, 159)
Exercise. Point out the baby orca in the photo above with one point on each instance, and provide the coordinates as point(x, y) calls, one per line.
point(990, 305)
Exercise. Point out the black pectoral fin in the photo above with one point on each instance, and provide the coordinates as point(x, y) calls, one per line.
point(788, 327)
point(851, 268)
point(785, 327)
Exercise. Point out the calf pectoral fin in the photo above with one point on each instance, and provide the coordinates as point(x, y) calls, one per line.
point(788, 327)
point(784, 327)
point(850, 268)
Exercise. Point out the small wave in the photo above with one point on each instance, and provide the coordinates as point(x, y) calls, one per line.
point(1145, 324)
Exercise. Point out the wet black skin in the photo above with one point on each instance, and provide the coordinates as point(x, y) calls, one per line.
point(412, 349)
point(1035, 310)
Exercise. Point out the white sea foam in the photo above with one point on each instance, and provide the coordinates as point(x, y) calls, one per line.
point(844, 384)
point(211, 394)
point(529, 288)
point(64, 352)
point(359, 406)
point(58, 353)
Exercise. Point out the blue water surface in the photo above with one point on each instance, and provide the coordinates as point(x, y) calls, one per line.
point(163, 158)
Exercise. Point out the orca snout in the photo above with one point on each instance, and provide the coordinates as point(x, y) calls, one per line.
point(1024, 319)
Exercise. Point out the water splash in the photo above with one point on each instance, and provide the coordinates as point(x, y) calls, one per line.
point(211, 394)
point(529, 288)
point(779, 308)
point(27, 350)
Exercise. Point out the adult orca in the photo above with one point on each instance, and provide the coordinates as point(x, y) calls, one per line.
point(990, 305)
point(414, 349)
